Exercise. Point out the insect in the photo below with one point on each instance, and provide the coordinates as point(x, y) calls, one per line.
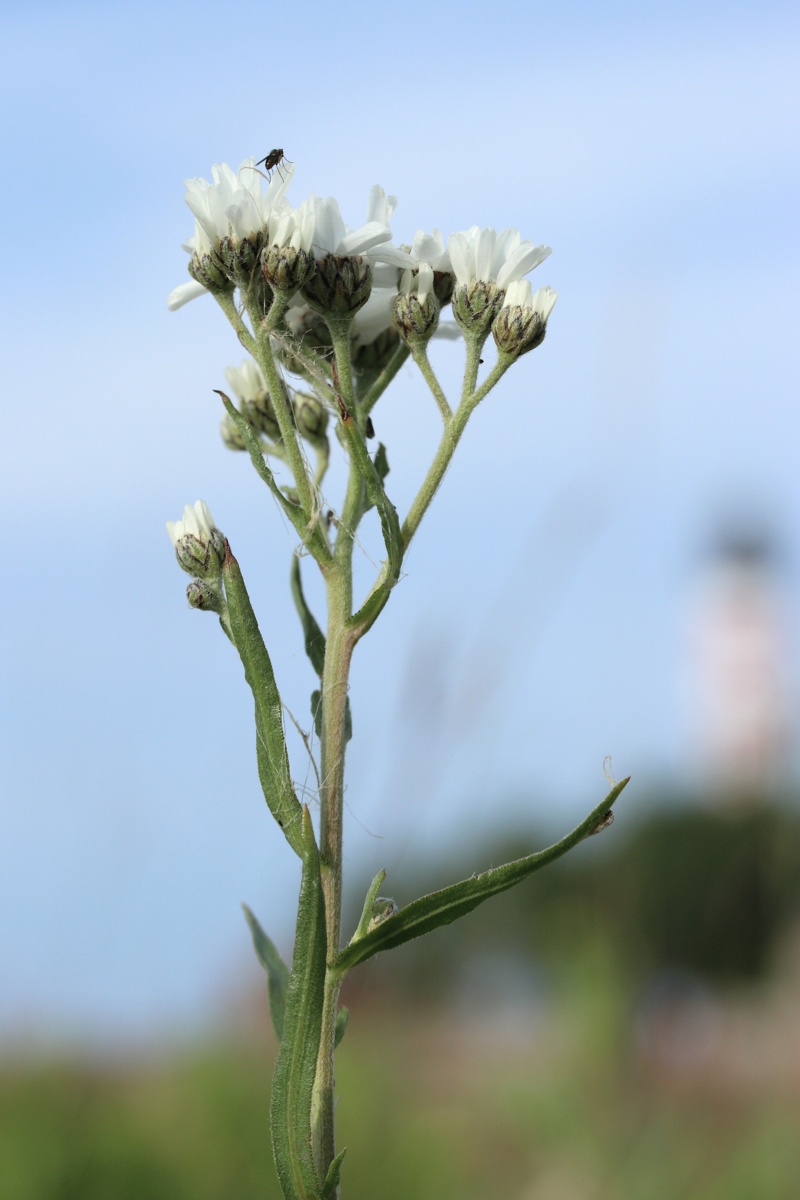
point(273, 160)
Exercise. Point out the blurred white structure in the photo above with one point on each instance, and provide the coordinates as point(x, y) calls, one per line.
point(743, 725)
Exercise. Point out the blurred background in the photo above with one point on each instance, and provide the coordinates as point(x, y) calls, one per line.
point(611, 569)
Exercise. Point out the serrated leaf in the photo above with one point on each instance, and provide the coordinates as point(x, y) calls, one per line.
point(295, 1070)
point(342, 1017)
point(448, 905)
point(271, 752)
point(332, 1178)
point(277, 971)
point(314, 637)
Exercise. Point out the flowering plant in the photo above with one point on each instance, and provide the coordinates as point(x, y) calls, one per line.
point(338, 311)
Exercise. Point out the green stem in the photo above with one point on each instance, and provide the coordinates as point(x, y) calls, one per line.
point(450, 439)
point(266, 360)
point(472, 365)
point(338, 654)
point(419, 351)
point(226, 303)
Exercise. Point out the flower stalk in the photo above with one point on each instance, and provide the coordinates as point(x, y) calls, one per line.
point(341, 309)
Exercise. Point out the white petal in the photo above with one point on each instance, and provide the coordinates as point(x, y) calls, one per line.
point(183, 293)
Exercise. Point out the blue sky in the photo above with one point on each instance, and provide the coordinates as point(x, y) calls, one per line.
point(539, 626)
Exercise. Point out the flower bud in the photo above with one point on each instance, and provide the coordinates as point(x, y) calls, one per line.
point(311, 417)
point(521, 324)
point(207, 270)
point(341, 285)
point(205, 596)
point(230, 435)
point(374, 355)
point(443, 284)
point(286, 269)
point(415, 309)
point(199, 545)
point(476, 304)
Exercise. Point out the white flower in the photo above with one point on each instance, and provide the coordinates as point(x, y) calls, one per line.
point(183, 293)
point(489, 256)
point(374, 318)
point(235, 204)
point(293, 227)
point(196, 522)
point(542, 302)
point(430, 248)
point(419, 281)
point(246, 381)
point(234, 208)
point(371, 241)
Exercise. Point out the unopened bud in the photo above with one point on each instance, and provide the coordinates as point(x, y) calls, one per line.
point(229, 432)
point(311, 417)
point(205, 596)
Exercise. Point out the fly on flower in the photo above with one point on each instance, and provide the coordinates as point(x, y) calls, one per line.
point(273, 160)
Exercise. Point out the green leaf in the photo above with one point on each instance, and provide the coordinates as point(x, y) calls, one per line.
point(447, 905)
point(316, 713)
point(376, 494)
point(381, 463)
point(277, 971)
point(271, 752)
point(295, 1070)
point(366, 912)
point(332, 1178)
point(342, 1017)
point(314, 637)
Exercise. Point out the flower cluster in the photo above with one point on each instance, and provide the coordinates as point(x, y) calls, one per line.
point(251, 237)
point(200, 550)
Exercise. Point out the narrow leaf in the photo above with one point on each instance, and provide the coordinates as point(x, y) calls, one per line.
point(447, 905)
point(295, 1070)
point(369, 900)
point(381, 462)
point(376, 494)
point(277, 971)
point(272, 755)
point(316, 714)
point(342, 1017)
point(332, 1178)
point(314, 637)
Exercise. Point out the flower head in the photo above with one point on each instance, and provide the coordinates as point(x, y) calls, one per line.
point(231, 218)
point(486, 256)
point(415, 309)
point(346, 257)
point(485, 262)
point(199, 545)
point(521, 324)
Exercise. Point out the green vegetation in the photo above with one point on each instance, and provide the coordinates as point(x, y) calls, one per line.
point(623, 1028)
